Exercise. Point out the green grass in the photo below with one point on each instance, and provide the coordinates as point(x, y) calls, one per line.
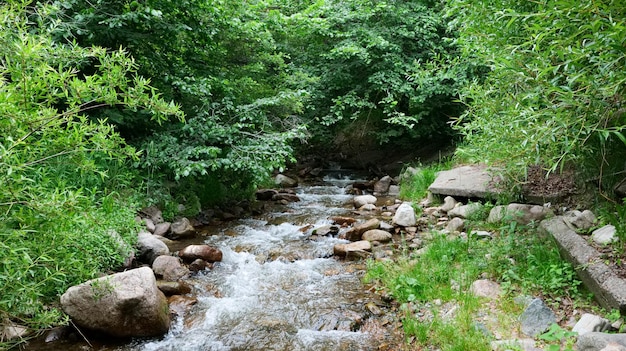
point(517, 257)
point(416, 185)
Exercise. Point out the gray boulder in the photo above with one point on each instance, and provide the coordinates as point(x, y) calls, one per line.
point(382, 186)
point(537, 318)
point(362, 200)
point(285, 182)
point(486, 288)
point(596, 341)
point(169, 268)
point(153, 213)
point(126, 304)
point(465, 211)
point(604, 235)
point(149, 247)
point(455, 225)
point(580, 221)
point(405, 216)
point(591, 323)
point(162, 229)
point(182, 228)
point(377, 235)
point(448, 203)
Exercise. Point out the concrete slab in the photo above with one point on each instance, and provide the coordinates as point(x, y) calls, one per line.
point(467, 181)
point(608, 288)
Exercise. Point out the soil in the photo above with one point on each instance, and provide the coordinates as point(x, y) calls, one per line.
point(539, 182)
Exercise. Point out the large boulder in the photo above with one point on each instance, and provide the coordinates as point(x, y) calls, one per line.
point(204, 252)
point(405, 216)
point(285, 182)
point(149, 247)
point(126, 304)
point(182, 228)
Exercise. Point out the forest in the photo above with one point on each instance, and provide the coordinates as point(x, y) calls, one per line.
point(108, 106)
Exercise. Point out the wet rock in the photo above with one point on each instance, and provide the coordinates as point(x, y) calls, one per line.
point(344, 249)
point(355, 233)
point(455, 225)
point(149, 247)
point(286, 197)
point(204, 252)
point(180, 305)
point(56, 334)
point(162, 229)
point(604, 235)
point(169, 268)
point(170, 288)
point(537, 318)
point(465, 211)
point(182, 228)
point(153, 213)
point(448, 203)
point(591, 323)
point(361, 200)
point(405, 216)
point(486, 288)
point(126, 304)
point(285, 182)
point(382, 186)
point(265, 194)
point(199, 265)
point(377, 235)
point(595, 341)
point(343, 220)
point(326, 230)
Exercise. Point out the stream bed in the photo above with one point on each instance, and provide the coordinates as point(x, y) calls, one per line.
point(276, 288)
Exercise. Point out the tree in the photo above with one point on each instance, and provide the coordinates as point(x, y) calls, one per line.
point(59, 170)
point(555, 93)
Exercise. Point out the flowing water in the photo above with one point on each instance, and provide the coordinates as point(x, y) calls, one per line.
point(276, 288)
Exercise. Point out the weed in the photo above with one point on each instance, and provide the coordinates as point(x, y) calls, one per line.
point(559, 339)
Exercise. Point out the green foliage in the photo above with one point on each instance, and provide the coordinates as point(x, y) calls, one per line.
point(391, 63)
point(516, 257)
point(555, 94)
point(559, 339)
point(59, 169)
point(415, 186)
point(219, 60)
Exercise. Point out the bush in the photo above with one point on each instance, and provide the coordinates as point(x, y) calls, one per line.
point(555, 94)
